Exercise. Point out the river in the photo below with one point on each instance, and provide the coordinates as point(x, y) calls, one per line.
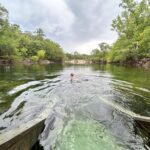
point(79, 118)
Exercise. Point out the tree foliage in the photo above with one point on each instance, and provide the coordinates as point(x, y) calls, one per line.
point(14, 42)
point(76, 55)
point(133, 28)
point(99, 55)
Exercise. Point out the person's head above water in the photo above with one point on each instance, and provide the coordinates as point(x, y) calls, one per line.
point(71, 76)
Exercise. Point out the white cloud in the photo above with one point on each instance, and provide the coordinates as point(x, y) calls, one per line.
point(87, 47)
point(58, 19)
point(75, 24)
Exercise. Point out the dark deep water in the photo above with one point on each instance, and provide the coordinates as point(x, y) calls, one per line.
point(78, 119)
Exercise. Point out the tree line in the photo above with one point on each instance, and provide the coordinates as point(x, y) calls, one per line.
point(16, 44)
point(75, 55)
point(133, 28)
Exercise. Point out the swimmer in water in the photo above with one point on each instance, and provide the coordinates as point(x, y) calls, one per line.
point(71, 77)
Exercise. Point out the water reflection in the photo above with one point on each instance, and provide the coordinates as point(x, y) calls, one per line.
point(17, 76)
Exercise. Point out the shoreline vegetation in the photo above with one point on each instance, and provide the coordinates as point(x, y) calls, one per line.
point(131, 48)
point(143, 63)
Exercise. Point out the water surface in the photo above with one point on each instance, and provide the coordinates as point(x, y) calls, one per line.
point(78, 118)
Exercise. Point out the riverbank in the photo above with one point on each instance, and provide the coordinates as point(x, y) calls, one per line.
point(142, 63)
point(145, 63)
point(77, 62)
point(26, 61)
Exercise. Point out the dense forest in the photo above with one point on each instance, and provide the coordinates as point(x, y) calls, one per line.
point(133, 28)
point(17, 45)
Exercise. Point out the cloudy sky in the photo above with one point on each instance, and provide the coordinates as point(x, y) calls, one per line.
point(75, 24)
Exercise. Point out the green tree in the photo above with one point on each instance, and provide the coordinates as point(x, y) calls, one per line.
point(41, 54)
point(99, 55)
point(96, 55)
point(3, 16)
point(39, 33)
point(132, 27)
point(104, 47)
point(15, 43)
point(34, 58)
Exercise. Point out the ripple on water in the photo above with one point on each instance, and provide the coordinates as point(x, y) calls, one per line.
point(101, 126)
